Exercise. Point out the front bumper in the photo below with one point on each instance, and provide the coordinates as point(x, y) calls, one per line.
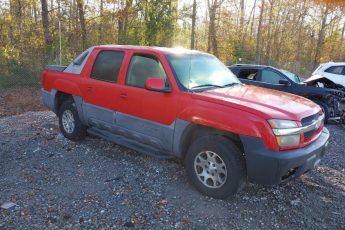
point(273, 167)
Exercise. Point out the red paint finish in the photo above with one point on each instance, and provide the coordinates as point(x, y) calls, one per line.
point(240, 109)
point(155, 84)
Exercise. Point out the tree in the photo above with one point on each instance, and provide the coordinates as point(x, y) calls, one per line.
point(321, 35)
point(213, 6)
point(123, 15)
point(47, 36)
point(80, 7)
point(258, 37)
point(192, 39)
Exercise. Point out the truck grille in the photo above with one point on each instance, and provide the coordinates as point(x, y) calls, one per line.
point(308, 121)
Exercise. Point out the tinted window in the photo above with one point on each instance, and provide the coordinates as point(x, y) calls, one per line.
point(270, 77)
point(249, 74)
point(335, 70)
point(292, 76)
point(143, 67)
point(234, 70)
point(107, 65)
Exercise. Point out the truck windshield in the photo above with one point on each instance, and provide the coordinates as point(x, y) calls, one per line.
point(201, 71)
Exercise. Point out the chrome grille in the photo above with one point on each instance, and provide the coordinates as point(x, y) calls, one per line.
point(308, 121)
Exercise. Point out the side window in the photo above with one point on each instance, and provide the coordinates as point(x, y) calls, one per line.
point(248, 74)
point(234, 70)
point(268, 76)
point(336, 70)
point(107, 65)
point(143, 67)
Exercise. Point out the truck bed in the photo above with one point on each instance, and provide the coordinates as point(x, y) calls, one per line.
point(58, 68)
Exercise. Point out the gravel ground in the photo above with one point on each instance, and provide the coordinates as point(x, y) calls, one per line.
point(55, 183)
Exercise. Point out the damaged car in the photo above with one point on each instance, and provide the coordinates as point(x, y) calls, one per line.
point(269, 77)
point(329, 75)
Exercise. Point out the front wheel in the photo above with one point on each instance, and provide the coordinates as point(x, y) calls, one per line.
point(343, 119)
point(215, 166)
point(69, 122)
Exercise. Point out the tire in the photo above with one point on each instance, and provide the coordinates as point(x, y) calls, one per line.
point(225, 153)
point(325, 110)
point(343, 120)
point(73, 129)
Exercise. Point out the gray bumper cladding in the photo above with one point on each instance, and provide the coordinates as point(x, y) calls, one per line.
point(48, 99)
point(273, 167)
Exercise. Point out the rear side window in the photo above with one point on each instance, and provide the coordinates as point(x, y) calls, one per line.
point(336, 70)
point(143, 67)
point(107, 65)
point(248, 74)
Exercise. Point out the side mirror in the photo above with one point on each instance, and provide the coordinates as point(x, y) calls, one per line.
point(156, 84)
point(284, 82)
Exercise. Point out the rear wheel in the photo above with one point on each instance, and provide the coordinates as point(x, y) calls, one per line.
point(69, 122)
point(215, 166)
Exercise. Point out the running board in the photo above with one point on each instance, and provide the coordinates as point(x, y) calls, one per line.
point(121, 140)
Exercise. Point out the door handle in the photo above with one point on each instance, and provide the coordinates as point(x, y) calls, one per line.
point(123, 96)
point(89, 89)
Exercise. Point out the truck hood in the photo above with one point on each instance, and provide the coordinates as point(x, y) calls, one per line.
point(263, 102)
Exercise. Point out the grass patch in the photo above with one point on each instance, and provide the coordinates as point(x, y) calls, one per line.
point(13, 74)
point(19, 81)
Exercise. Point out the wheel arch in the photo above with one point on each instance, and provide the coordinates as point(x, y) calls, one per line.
point(194, 131)
point(61, 97)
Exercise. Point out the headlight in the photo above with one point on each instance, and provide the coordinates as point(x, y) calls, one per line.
point(282, 124)
point(287, 132)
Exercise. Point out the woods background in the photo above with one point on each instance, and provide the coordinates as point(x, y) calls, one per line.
point(296, 35)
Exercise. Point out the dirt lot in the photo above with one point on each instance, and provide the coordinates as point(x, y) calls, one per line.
point(19, 100)
point(94, 184)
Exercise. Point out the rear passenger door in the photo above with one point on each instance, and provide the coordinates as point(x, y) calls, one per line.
point(100, 98)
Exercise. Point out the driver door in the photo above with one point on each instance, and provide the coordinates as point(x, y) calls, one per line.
point(147, 115)
point(270, 78)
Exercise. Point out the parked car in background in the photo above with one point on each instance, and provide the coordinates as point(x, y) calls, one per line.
point(278, 79)
point(329, 75)
point(187, 104)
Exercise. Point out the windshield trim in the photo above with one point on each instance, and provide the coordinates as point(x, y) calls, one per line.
point(179, 84)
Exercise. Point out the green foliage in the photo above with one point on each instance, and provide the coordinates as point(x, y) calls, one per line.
point(290, 32)
point(18, 75)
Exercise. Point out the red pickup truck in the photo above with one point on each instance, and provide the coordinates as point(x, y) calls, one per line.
point(187, 104)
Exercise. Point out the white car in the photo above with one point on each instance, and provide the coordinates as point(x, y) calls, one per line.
point(329, 75)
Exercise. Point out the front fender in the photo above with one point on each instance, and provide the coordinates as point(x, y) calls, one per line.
point(229, 119)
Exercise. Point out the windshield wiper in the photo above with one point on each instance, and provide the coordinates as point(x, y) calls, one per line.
point(206, 85)
point(231, 84)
